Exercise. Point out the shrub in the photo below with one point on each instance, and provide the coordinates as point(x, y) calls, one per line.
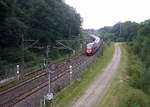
point(136, 99)
point(138, 75)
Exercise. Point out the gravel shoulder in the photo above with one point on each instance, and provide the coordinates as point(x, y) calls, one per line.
point(100, 85)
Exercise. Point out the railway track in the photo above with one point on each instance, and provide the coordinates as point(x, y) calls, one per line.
point(13, 95)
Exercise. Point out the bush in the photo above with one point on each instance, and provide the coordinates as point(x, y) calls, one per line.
point(136, 99)
point(145, 81)
point(138, 75)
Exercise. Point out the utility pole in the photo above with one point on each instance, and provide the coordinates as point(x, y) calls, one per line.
point(120, 29)
point(22, 46)
point(47, 67)
point(49, 95)
point(80, 43)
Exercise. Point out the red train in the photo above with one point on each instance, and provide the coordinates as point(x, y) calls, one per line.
point(92, 46)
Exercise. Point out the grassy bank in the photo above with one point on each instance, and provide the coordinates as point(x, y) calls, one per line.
point(71, 93)
point(121, 94)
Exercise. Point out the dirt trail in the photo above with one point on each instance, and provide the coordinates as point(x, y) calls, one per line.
point(97, 89)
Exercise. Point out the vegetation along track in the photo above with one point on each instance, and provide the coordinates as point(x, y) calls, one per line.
point(12, 95)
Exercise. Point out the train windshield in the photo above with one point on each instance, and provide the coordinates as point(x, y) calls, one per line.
point(89, 46)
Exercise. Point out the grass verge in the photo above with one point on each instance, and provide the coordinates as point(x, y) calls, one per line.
point(71, 93)
point(120, 94)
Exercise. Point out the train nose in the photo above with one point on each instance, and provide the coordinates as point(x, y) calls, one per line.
point(89, 51)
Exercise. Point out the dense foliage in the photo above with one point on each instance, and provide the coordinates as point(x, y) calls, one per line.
point(141, 44)
point(121, 31)
point(43, 20)
point(138, 37)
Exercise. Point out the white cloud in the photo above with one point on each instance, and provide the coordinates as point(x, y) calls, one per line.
point(99, 13)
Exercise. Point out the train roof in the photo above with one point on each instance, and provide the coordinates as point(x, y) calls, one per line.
point(89, 44)
point(97, 39)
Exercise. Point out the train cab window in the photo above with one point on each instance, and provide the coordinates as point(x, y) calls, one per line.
point(89, 46)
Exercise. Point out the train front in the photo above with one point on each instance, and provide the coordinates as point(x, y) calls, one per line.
point(89, 49)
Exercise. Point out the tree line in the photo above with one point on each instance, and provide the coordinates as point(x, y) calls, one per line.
point(42, 20)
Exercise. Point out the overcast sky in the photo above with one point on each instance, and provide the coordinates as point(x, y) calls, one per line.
point(99, 13)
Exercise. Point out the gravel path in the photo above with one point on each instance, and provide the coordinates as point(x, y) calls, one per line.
point(97, 89)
